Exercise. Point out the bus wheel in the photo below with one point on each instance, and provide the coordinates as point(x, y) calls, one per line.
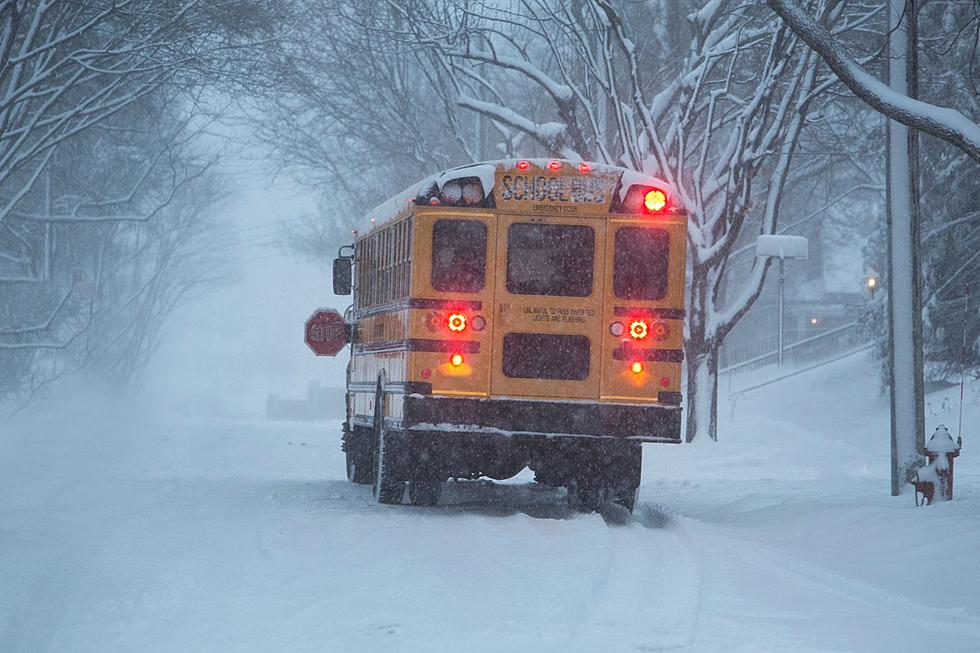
point(625, 497)
point(359, 456)
point(584, 495)
point(424, 492)
point(389, 479)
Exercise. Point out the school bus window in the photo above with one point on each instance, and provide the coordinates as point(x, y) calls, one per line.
point(550, 259)
point(640, 263)
point(546, 356)
point(459, 255)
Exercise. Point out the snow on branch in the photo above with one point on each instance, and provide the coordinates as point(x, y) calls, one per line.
point(942, 122)
point(550, 134)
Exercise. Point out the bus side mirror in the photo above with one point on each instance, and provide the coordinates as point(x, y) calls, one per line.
point(342, 276)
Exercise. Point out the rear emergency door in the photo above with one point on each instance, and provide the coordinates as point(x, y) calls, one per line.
point(548, 307)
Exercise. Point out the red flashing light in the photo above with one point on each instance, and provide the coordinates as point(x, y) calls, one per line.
point(584, 167)
point(660, 330)
point(456, 360)
point(638, 329)
point(434, 201)
point(522, 165)
point(664, 381)
point(554, 165)
point(456, 322)
point(654, 200)
point(636, 367)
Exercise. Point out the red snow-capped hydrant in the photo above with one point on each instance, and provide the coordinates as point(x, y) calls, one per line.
point(941, 450)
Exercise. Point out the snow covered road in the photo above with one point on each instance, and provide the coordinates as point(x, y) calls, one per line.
point(123, 533)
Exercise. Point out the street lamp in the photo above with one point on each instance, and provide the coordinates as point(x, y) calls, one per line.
point(872, 283)
point(782, 248)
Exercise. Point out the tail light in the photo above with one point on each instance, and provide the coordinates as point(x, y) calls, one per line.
point(456, 322)
point(638, 329)
point(660, 330)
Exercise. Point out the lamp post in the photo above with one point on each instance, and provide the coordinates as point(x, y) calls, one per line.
point(781, 248)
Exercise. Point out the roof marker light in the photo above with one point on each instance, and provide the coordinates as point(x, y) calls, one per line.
point(522, 165)
point(584, 167)
point(554, 165)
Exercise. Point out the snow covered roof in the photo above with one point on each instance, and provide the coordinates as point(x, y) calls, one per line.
point(486, 172)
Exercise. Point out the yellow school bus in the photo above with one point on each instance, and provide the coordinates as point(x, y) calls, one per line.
point(521, 313)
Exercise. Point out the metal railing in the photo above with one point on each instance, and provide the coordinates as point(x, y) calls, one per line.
point(800, 345)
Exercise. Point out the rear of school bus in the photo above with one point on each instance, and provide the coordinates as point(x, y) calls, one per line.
point(546, 327)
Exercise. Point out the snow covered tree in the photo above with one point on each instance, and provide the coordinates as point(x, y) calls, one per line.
point(95, 104)
point(712, 97)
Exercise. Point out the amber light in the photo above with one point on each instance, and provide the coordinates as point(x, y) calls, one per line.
point(636, 367)
point(638, 329)
point(654, 200)
point(456, 322)
point(456, 360)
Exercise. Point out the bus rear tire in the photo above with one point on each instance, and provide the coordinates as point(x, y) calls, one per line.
point(358, 455)
point(584, 495)
point(424, 492)
point(390, 450)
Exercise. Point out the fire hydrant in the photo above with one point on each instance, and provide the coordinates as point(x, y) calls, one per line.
point(938, 473)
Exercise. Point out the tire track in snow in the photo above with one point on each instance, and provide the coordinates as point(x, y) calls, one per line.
point(650, 597)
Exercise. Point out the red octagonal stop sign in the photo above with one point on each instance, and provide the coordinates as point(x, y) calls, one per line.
point(325, 333)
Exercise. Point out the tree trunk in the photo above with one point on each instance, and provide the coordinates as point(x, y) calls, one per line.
point(702, 363)
point(702, 392)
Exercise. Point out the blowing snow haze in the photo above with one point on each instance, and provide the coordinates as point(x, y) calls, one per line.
point(645, 345)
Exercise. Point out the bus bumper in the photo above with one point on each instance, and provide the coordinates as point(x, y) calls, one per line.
point(521, 417)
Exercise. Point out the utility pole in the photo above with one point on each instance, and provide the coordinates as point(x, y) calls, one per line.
point(48, 252)
point(904, 285)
